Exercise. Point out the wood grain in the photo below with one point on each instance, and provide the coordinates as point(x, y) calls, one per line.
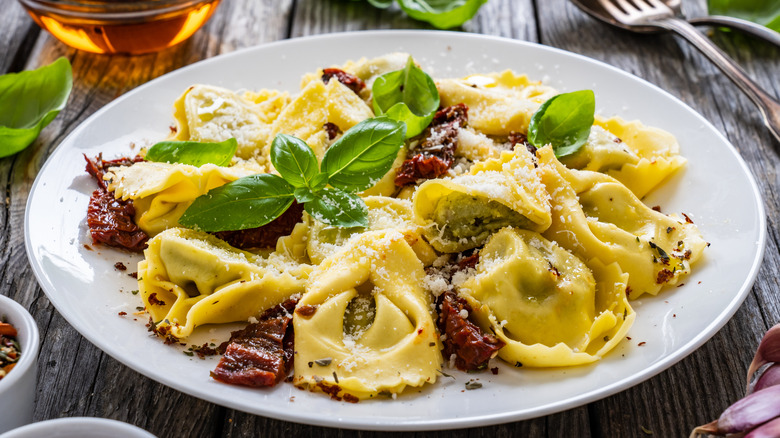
point(77, 379)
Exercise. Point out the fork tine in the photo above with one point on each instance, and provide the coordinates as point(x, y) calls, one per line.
point(612, 9)
point(658, 4)
point(627, 7)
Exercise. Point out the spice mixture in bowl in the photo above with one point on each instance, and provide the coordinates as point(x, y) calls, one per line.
point(19, 344)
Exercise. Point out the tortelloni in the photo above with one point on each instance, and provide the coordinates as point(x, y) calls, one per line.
point(384, 213)
point(161, 192)
point(364, 325)
point(189, 278)
point(499, 103)
point(462, 212)
point(549, 307)
point(595, 216)
point(212, 114)
point(638, 156)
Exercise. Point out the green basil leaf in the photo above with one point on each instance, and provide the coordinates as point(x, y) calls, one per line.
point(29, 101)
point(383, 4)
point(443, 14)
point(319, 182)
point(408, 95)
point(294, 160)
point(248, 202)
point(193, 152)
point(338, 208)
point(303, 195)
point(564, 121)
point(764, 12)
point(364, 154)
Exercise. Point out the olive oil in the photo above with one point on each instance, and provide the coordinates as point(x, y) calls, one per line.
point(92, 26)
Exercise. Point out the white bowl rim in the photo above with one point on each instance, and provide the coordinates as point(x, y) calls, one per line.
point(29, 339)
point(75, 424)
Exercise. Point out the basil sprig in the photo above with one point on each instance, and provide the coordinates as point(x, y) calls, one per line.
point(408, 95)
point(362, 156)
point(564, 122)
point(193, 152)
point(443, 14)
point(29, 101)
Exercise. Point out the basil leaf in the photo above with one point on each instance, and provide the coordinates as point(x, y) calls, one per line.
point(338, 208)
point(248, 202)
point(564, 121)
point(443, 14)
point(193, 152)
point(319, 182)
point(764, 12)
point(408, 95)
point(294, 160)
point(364, 154)
point(29, 101)
point(383, 4)
point(303, 195)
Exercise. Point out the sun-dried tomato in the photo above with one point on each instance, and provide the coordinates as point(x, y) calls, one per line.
point(262, 353)
point(267, 235)
point(351, 81)
point(472, 347)
point(110, 220)
point(436, 154)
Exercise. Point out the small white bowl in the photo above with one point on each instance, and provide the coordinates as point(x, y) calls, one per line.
point(17, 389)
point(79, 427)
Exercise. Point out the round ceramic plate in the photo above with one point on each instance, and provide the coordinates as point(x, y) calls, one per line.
point(716, 190)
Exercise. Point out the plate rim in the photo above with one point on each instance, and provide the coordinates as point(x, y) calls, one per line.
point(420, 425)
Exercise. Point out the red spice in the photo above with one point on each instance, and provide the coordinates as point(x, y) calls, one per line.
point(154, 301)
point(664, 275)
point(119, 266)
point(267, 235)
point(306, 311)
point(352, 82)
point(332, 130)
point(122, 313)
point(687, 218)
point(436, 153)
point(641, 343)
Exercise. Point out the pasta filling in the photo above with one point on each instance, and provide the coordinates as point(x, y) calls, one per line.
point(458, 217)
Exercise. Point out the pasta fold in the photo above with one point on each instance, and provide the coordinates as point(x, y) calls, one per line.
point(462, 212)
point(364, 325)
point(189, 278)
point(595, 216)
point(550, 308)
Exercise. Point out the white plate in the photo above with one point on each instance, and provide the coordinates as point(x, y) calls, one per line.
point(716, 191)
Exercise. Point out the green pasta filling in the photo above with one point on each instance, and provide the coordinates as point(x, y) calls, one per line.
point(459, 216)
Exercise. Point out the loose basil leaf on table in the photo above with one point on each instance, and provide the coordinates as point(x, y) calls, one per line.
point(338, 208)
point(383, 4)
point(443, 14)
point(564, 121)
point(364, 154)
point(248, 202)
point(193, 152)
point(408, 95)
point(29, 101)
point(763, 12)
point(294, 160)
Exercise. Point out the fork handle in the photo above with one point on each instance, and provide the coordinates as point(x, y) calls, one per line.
point(768, 105)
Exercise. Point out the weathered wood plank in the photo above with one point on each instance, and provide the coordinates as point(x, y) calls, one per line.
point(697, 389)
point(18, 35)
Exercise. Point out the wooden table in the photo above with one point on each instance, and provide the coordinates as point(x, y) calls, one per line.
point(77, 379)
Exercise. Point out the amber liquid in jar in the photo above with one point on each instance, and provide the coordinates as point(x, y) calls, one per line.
point(135, 32)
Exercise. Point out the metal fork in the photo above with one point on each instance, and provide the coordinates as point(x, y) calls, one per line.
point(656, 14)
